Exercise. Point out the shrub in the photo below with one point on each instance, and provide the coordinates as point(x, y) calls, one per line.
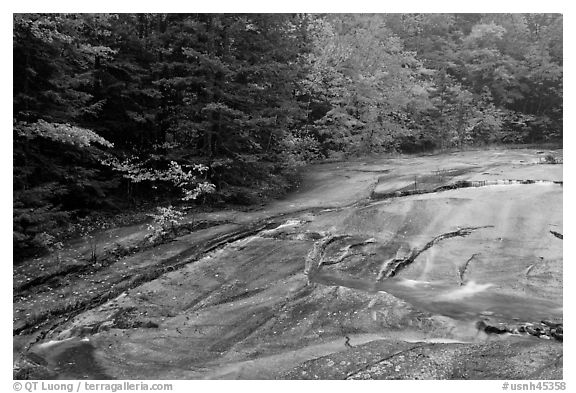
point(164, 223)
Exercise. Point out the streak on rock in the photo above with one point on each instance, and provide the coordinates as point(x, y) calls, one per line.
point(398, 264)
point(558, 235)
point(386, 267)
point(454, 186)
point(314, 257)
point(50, 318)
point(462, 269)
point(347, 342)
point(345, 252)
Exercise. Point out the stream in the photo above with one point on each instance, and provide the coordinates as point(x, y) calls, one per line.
point(358, 265)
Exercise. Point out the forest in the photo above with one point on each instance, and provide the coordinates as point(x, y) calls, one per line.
point(118, 112)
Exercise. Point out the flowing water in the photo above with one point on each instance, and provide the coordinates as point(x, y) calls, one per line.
point(413, 264)
point(471, 301)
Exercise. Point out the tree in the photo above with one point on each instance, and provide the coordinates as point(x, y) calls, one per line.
point(516, 56)
point(360, 70)
point(111, 110)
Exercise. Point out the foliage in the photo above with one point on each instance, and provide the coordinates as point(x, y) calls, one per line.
point(35, 228)
point(359, 68)
point(114, 110)
point(496, 77)
point(63, 133)
point(164, 223)
point(185, 180)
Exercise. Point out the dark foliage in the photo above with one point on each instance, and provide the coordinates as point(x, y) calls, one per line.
point(111, 110)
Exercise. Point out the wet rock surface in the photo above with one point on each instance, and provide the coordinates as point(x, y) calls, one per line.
point(333, 282)
point(400, 360)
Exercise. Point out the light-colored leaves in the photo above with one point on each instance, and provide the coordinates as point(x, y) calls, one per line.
point(187, 180)
point(63, 133)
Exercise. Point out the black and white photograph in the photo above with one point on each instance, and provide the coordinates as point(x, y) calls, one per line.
point(287, 196)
